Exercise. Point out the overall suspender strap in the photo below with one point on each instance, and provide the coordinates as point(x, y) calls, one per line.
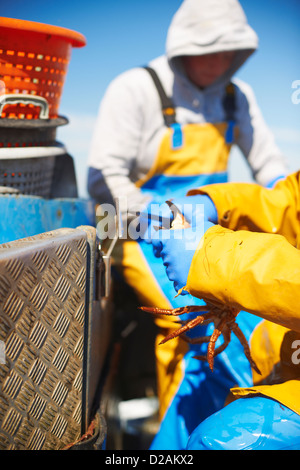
point(168, 111)
point(229, 107)
point(167, 106)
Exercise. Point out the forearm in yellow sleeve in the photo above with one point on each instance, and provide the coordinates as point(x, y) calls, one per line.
point(255, 272)
point(244, 206)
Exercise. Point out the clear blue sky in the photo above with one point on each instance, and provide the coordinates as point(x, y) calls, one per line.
point(124, 33)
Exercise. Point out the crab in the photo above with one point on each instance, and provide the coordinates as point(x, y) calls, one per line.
point(224, 319)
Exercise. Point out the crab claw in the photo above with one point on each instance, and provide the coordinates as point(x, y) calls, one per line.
point(179, 221)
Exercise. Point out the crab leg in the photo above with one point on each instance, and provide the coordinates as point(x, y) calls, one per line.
point(211, 345)
point(175, 311)
point(188, 326)
point(221, 348)
point(225, 323)
point(240, 335)
point(200, 340)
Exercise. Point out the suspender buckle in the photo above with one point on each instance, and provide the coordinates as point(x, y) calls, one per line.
point(169, 116)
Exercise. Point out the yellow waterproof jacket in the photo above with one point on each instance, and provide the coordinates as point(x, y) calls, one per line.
point(251, 261)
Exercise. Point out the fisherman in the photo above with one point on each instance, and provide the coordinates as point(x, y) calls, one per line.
point(249, 260)
point(165, 128)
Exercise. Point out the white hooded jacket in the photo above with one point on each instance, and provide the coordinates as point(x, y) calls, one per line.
point(130, 124)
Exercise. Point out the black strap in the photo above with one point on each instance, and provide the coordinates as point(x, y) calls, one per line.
point(167, 106)
point(229, 102)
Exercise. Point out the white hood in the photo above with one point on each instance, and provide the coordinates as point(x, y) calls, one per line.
point(207, 26)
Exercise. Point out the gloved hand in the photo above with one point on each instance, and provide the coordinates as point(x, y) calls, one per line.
point(196, 208)
point(177, 248)
point(151, 217)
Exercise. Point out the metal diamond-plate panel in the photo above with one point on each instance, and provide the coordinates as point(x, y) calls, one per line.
point(42, 336)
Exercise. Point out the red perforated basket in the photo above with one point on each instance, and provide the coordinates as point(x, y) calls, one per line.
point(33, 64)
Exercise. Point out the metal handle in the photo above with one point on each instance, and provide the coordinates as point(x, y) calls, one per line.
point(25, 99)
point(103, 262)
